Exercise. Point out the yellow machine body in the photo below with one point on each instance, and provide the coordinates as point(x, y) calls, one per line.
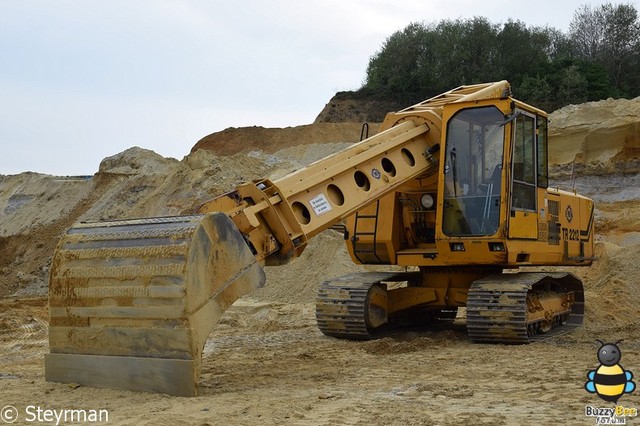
point(496, 210)
point(454, 188)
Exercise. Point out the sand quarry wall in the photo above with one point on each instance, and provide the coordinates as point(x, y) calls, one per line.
point(598, 142)
point(597, 137)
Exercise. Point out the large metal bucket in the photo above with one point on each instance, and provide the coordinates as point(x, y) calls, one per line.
point(132, 302)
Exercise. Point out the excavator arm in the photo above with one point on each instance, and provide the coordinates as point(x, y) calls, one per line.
point(133, 301)
point(277, 218)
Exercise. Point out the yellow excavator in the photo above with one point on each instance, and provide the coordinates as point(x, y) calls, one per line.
point(454, 188)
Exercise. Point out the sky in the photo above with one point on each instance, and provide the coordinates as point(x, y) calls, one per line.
point(81, 80)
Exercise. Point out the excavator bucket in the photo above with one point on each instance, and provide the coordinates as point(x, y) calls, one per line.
point(132, 302)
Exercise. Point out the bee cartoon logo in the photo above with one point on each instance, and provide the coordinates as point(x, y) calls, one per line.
point(609, 381)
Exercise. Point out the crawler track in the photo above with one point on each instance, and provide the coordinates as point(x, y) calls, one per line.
point(342, 305)
point(497, 307)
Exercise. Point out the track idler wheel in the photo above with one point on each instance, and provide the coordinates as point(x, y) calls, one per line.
point(375, 309)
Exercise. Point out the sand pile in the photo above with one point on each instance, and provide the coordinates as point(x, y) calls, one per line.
point(36, 209)
point(612, 290)
point(245, 139)
point(325, 257)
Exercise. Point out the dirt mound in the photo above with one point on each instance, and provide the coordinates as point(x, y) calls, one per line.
point(32, 200)
point(612, 290)
point(137, 161)
point(598, 137)
point(356, 108)
point(245, 139)
point(326, 257)
point(36, 209)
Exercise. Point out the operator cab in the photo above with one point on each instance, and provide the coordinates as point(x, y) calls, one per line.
point(486, 147)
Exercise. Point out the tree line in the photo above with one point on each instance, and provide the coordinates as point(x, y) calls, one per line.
point(598, 58)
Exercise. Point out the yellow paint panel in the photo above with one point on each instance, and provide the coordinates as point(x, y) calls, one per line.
point(523, 225)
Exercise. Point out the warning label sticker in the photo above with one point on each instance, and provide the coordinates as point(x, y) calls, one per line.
point(320, 204)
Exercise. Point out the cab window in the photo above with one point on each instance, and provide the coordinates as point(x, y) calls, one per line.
point(543, 155)
point(473, 172)
point(524, 171)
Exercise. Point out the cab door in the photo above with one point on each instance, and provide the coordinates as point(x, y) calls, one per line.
point(523, 216)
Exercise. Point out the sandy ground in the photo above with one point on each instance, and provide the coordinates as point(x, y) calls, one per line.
point(266, 362)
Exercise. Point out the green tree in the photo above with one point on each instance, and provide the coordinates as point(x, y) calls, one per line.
point(466, 52)
point(599, 57)
point(573, 86)
point(560, 45)
point(536, 90)
point(610, 36)
point(398, 68)
point(587, 32)
point(523, 51)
